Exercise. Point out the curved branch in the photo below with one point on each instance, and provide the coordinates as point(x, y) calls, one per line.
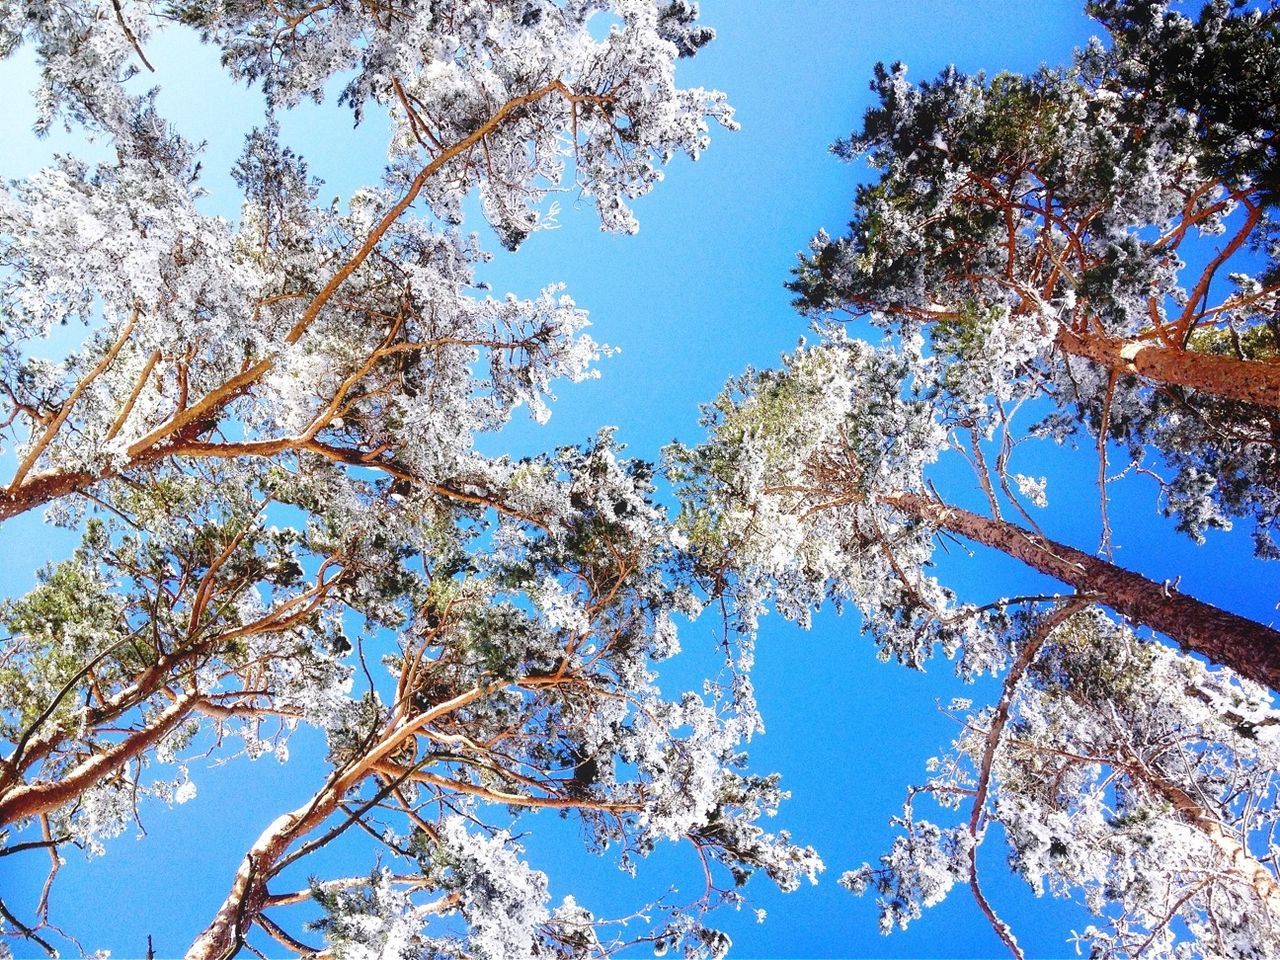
point(28, 801)
point(1026, 656)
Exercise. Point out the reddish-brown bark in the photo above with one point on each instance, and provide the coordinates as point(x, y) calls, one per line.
point(222, 938)
point(1259, 878)
point(1248, 381)
point(38, 798)
point(224, 935)
point(1251, 649)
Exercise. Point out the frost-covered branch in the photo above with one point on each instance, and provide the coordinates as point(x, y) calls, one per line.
point(1100, 236)
point(1093, 759)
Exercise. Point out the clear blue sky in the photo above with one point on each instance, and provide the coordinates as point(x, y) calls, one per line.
point(691, 300)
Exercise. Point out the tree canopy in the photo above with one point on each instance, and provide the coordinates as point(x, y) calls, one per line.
point(269, 444)
point(1086, 255)
point(272, 424)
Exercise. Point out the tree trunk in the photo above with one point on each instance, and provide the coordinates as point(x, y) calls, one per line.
point(1259, 879)
point(224, 936)
point(1249, 648)
point(1248, 381)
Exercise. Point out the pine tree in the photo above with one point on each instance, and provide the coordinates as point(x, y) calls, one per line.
point(1095, 247)
point(267, 440)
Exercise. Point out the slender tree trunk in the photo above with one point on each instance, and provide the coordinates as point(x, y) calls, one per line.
point(243, 905)
point(1260, 879)
point(225, 934)
point(977, 815)
point(1248, 381)
point(1247, 647)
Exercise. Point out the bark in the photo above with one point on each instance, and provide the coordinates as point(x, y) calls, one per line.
point(1251, 649)
point(38, 798)
point(44, 488)
point(1247, 381)
point(224, 935)
point(249, 895)
point(1260, 880)
point(145, 684)
point(983, 784)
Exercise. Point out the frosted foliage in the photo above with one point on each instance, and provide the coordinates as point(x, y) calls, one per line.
point(1033, 488)
point(570, 596)
point(1039, 234)
point(379, 923)
point(480, 878)
point(128, 244)
point(233, 658)
point(504, 901)
point(440, 69)
point(105, 812)
point(1127, 776)
point(481, 881)
point(917, 873)
point(686, 772)
point(249, 316)
point(787, 493)
point(268, 441)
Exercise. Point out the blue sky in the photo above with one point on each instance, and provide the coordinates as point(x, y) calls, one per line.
point(691, 300)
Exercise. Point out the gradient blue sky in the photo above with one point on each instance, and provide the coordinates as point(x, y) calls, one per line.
point(691, 300)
